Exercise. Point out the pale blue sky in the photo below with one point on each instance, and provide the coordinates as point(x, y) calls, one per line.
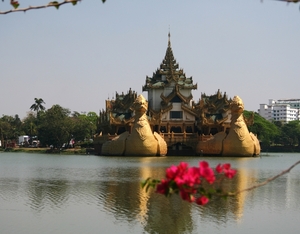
point(78, 56)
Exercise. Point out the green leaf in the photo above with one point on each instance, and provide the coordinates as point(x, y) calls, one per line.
point(212, 191)
point(55, 4)
point(15, 4)
point(144, 183)
point(74, 2)
point(150, 185)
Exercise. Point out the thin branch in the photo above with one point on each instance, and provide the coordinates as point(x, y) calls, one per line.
point(288, 1)
point(58, 4)
point(265, 182)
point(50, 4)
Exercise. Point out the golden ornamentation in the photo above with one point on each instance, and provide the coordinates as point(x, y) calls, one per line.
point(238, 142)
point(141, 141)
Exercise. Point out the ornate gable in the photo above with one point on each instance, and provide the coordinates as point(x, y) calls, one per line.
point(175, 94)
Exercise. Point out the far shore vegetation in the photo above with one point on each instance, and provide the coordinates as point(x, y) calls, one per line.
point(58, 130)
point(47, 150)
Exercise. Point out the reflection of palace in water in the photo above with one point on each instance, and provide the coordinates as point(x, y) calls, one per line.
point(117, 190)
point(157, 212)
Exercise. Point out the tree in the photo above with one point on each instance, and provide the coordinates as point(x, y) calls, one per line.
point(10, 128)
point(5, 129)
point(266, 131)
point(55, 126)
point(83, 126)
point(29, 126)
point(291, 133)
point(37, 106)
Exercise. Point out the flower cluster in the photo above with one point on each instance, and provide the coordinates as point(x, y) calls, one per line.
point(226, 168)
point(188, 181)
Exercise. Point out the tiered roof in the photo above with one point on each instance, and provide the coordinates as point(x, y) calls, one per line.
point(212, 109)
point(216, 103)
point(118, 111)
point(168, 73)
point(122, 103)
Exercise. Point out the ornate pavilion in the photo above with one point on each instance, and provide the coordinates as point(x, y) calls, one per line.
point(171, 110)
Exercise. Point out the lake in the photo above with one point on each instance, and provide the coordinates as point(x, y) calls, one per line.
point(44, 193)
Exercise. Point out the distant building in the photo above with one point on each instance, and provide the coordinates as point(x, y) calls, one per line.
point(284, 110)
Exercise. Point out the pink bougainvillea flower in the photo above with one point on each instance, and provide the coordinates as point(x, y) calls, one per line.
point(187, 196)
point(171, 172)
point(219, 168)
point(179, 181)
point(175, 171)
point(163, 187)
point(226, 168)
point(182, 167)
point(229, 173)
point(191, 177)
point(206, 172)
point(202, 200)
point(186, 181)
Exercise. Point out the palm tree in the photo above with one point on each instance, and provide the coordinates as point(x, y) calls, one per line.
point(37, 106)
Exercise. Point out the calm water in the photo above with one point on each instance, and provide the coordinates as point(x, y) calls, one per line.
point(90, 194)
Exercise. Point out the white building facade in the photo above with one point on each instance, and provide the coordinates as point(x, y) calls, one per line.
point(284, 110)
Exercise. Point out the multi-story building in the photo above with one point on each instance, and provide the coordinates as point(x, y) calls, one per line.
point(283, 110)
point(170, 96)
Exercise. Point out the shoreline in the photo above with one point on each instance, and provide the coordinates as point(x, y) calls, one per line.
point(81, 151)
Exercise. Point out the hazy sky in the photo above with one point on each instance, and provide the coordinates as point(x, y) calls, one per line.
point(78, 56)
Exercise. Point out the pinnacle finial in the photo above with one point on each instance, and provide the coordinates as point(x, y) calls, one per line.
point(169, 37)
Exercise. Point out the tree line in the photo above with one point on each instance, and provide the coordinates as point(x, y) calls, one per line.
point(54, 126)
point(58, 125)
point(276, 135)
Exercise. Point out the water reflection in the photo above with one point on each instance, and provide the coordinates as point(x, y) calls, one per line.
point(112, 187)
point(125, 199)
point(220, 210)
point(45, 194)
